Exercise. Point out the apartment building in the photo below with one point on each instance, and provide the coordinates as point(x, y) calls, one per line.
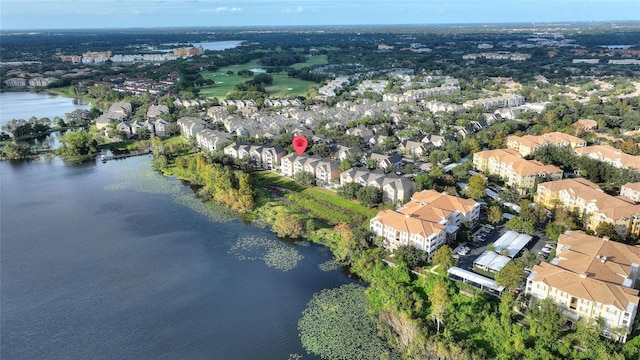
point(394, 188)
point(265, 156)
point(322, 169)
point(588, 200)
point(631, 191)
point(190, 126)
point(528, 144)
point(513, 169)
point(591, 278)
point(426, 222)
point(610, 155)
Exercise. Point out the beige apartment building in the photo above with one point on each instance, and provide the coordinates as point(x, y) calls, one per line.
point(514, 170)
point(631, 191)
point(587, 199)
point(527, 144)
point(426, 222)
point(610, 155)
point(591, 278)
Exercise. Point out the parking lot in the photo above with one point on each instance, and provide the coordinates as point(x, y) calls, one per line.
point(489, 236)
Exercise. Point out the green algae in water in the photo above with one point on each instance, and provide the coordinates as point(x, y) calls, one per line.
point(273, 253)
point(329, 265)
point(150, 182)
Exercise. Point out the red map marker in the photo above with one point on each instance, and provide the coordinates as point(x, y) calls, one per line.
point(299, 144)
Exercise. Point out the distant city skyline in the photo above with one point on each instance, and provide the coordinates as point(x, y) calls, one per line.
point(91, 14)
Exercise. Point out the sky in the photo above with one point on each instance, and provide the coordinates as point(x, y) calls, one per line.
point(91, 14)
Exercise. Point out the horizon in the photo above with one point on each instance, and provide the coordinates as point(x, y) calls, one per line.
point(497, 26)
point(42, 15)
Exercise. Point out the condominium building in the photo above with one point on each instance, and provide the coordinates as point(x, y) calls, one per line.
point(265, 156)
point(611, 155)
point(426, 222)
point(527, 144)
point(513, 169)
point(591, 278)
point(589, 201)
point(631, 191)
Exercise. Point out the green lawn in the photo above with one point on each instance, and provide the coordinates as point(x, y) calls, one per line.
point(332, 197)
point(311, 61)
point(326, 203)
point(283, 85)
point(271, 178)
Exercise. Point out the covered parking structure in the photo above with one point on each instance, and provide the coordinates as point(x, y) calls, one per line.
point(481, 282)
point(511, 243)
point(490, 261)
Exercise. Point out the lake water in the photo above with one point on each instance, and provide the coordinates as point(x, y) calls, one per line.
point(113, 261)
point(212, 45)
point(219, 45)
point(23, 105)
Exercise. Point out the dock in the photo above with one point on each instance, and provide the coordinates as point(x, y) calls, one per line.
point(106, 158)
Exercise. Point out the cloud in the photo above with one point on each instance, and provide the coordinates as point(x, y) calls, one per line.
point(222, 9)
point(298, 9)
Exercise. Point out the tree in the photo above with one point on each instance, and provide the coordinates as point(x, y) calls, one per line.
point(494, 214)
point(172, 129)
point(17, 150)
point(77, 144)
point(553, 231)
point(411, 256)
point(507, 302)
point(546, 321)
point(477, 186)
point(606, 229)
point(157, 146)
point(630, 147)
point(349, 190)
point(588, 331)
point(287, 225)
point(474, 145)
point(439, 300)
point(511, 275)
point(304, 178)
point(369, 195)
point(143, 134)
point(321, 150)
point(444, 257)
point(78, 117)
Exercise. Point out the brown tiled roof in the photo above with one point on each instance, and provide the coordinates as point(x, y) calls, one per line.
point(585, 287)
point(611, 154)
point(444, 201)
point(424, 212)
point(553, 138)
point(409, 224)
point(585, 123)
point(633, 186)
point(582, 253)
point(519, 165)
point(611, 206)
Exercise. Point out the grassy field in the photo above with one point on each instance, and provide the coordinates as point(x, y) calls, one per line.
point(322, 204)
point(312, 60)
point(283, 85)
point(66, 91)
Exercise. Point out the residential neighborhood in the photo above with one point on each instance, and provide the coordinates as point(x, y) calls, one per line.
point(479, 189)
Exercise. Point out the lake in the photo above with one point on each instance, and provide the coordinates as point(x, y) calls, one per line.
point(114, 261)
point(211, 45)
point(14, 104)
